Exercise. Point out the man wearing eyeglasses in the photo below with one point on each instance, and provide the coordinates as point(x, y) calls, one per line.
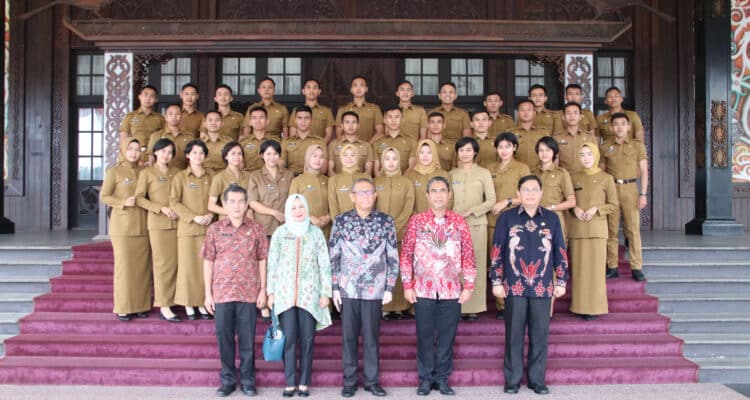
point(438, 270)
point(527, 249)
point(364, 264)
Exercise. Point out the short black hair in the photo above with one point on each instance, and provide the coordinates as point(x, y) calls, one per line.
point(211, 112)
point(317, 82)
point(267, 78)
point(405, 81)
point(393, 107)
point(358, 77)
point(437, 178)
point(196, 142)
point(527, 178)
point(352, 113)
point(269, 143)
point(468, 140)
point(451, 84)
point(162, 143)
point(611, 88)
point(572, 104)
point(550, 143)
point(619, 115)
point(257, 108)
point(303, 109)
point(228, 147)
point(482, 111)
point(152, 87)
point(436, 114)
point(537, 86)
point(493, 94)
point(189, 85)
point(506, 137)
point(524, 101)
point(573, 86)
point(233, 188)
point(179, 107)
point(224, 86)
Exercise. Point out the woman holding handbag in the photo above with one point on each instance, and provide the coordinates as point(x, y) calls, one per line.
point(299, 251)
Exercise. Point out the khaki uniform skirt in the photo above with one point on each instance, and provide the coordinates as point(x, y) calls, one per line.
point(588, 276)
point(164, 253)
point(132, 275)
point(399, 303)
point(189, 290)
point(478, 301)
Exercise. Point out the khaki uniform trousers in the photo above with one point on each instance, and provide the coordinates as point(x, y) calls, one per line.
point(628, 195)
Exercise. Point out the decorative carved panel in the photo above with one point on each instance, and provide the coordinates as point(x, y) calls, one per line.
point(14, 134)
point(423, 9)
point(141, 68)
point(579, 69)
point(279, 9)
point(118, 98)
point(59, 140)
point(719, 134)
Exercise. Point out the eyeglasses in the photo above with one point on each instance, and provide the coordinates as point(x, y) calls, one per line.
point(365, 193)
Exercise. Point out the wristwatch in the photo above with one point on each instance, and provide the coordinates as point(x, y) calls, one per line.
point(510, 202)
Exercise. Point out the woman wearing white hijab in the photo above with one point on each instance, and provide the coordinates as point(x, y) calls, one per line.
point(299, 251)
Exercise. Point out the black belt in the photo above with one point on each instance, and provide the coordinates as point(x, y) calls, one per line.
point(624, 181)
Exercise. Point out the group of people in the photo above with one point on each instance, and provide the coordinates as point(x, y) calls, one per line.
point(379, 215)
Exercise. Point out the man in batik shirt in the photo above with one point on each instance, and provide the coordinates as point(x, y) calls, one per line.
point(436, 255)
point(528, 248)
point(364, 264)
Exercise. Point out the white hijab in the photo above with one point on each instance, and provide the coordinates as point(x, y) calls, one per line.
point(298, 228)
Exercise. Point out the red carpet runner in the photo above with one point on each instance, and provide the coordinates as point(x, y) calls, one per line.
point(73, 338)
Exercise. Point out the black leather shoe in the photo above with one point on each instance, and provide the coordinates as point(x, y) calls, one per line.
point(375, 389)
point(123, 317)
point(637, 275)
point(248, 390)
point(226, 390)
point(500, 315)
point(173, 318)
point(348, 391)
point(588, 317)
point(472, 317)
point(192, 317)
point(288, 393)
point(424, 388)
point(387, 317)
point(538, 389)
point(206, 317)
point(143, 314)
point(511, 389)
point(303, 393)
point(445, 389)
point(613, 273)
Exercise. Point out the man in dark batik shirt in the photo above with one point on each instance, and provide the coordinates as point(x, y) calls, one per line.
point(527, 249)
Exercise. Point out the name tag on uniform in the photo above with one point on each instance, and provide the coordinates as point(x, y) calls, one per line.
point(417, 184)
point(454, 183)
point(291, 144)
point(562, 142)
point(271, 186)
point(380, 188)
point(162, 179)
point(128, 181)
point(611, 149)
point(310, 188)
point(383, 146)
point(344, 189)
point(192, 185)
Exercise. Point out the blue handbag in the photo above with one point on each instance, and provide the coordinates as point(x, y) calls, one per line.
point(273, 342)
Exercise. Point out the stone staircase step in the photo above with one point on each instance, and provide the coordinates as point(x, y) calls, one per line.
point(724, 370)
point(20, 254)
point(17, 302)
point(716, 345)
point(695, 254)
point(24, 284)
point(9, 323)
point(682, 323)
point(706, 269)
point(703, 302)
point(692, 284)
point(30, 268)
point(3, 338)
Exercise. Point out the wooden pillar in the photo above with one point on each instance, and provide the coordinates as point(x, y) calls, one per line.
point(6, 225)
point(713, 178)
point(118, 101)
point(579, 69)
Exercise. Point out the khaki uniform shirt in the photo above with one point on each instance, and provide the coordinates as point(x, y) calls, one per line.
point(406, 148)
point(315, 189)
point(503, 123)
point(446, 153)
point(152, 193)
point(213, 160)
point(322, 118)
point(271, 192)
point(556, 187)
point(598, 191)
point(505, 182)
point(369, 116)
point(487, 152)
point(586, 124)
point(251, 149)
point(548, 119)
point(179, 160)
point(526, 152)
point(414, 119)
point(604, 121)
point(473, 190)
point(395, 198)
point(231, 125)
point(622, 160)
point(120, 183)
point(190, 123)
point(456, 120)
point(420, 188)
point(223, 179)
point(569, 145)
point(139, 125)
point(278, 118)
point(339, 187)
point(293, 151)
point(364, 148)
point(189, 199)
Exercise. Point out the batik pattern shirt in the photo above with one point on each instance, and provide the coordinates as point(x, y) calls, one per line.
point(436, 253)
point(364, 255)
point(526, 251)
